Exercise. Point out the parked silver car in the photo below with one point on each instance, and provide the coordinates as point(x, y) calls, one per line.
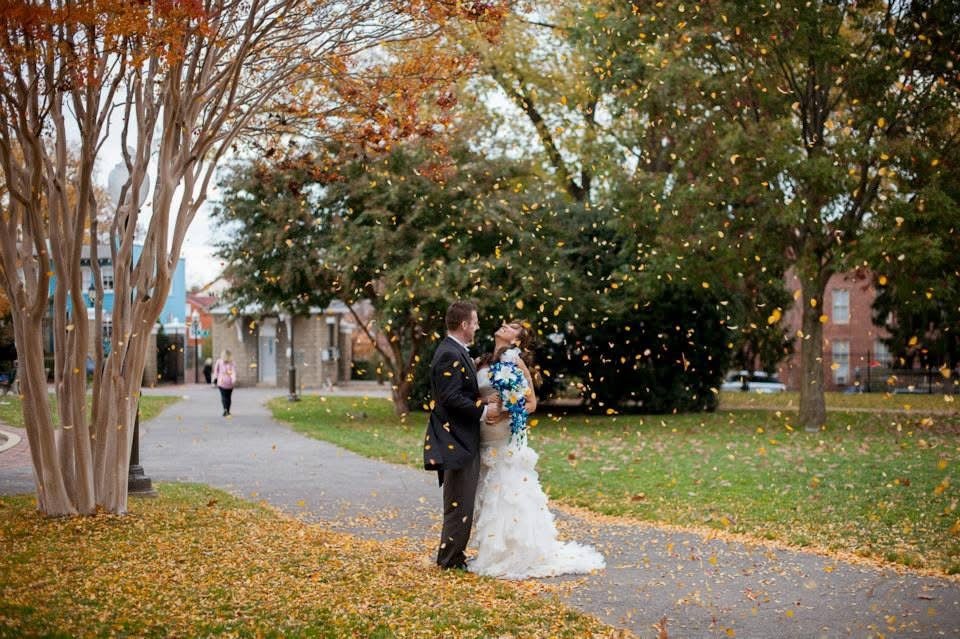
point(758, 382)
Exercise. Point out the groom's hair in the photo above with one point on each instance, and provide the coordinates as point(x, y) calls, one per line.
point(459, 312)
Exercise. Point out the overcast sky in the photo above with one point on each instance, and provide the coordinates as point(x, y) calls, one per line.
point(201, 266)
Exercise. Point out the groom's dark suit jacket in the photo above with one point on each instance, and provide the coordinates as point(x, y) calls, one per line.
point(453, 432)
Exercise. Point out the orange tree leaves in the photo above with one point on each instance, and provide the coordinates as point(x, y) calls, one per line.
point(406, 87)
point(82, 31)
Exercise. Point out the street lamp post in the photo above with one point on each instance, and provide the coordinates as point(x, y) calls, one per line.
point(92, 296)
point(195, 324)
point(291, 364)
point(330, 375)
point(182, 358)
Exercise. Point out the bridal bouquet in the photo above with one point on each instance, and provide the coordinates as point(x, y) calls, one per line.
point(508, 380)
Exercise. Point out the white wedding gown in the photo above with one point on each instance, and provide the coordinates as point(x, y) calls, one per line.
point(515, 533)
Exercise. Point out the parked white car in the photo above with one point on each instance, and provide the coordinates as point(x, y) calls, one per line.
point(757, 382)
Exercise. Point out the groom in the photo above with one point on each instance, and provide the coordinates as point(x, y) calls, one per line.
point(452, 443)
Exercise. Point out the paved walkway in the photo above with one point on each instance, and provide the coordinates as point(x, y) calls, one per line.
point(702, 586)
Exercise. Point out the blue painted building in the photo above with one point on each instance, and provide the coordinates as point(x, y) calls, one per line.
point(172, 317)
point(175, 308)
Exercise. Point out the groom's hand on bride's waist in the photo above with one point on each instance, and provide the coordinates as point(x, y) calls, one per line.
point(494, 410)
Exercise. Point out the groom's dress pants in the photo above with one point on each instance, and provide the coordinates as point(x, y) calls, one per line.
point(459, 492)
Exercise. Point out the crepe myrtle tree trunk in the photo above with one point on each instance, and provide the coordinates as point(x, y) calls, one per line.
point(53, 496)
point(61, 449)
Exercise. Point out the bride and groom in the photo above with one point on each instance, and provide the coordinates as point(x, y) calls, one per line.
point(476, 441)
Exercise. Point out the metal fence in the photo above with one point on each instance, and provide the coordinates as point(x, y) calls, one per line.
point(866, 373)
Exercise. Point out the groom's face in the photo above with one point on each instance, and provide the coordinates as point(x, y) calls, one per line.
point(470, 327)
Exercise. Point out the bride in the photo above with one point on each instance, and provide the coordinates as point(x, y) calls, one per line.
point(515, 532)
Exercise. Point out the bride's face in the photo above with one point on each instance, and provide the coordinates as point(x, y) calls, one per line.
point(509, 333)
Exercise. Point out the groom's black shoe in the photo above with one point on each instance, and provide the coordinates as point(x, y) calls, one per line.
point(461, 566)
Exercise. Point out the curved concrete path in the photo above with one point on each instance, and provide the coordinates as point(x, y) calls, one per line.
point(703, 587)
point(8, 440)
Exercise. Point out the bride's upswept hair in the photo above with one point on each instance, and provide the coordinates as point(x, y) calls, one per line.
point(527, 343)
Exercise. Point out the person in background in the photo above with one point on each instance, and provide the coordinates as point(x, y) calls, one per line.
point(225, 376)
point(208, 370)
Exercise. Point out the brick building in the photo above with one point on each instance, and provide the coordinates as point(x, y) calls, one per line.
point(259, 342)
point(851, 342)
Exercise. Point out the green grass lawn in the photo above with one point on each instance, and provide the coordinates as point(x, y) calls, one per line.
point(150, 407)
point(915, 403)
point(880, 485)
point(196, 562)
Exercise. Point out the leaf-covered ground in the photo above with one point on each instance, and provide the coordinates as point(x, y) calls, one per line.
point(150, 407)
point(877, 485)
point(198, 562)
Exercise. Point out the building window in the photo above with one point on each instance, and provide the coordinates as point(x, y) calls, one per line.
point(841, 306)
point(106, 276)
point(107, 329)
point(881, 354)
point(841, 362)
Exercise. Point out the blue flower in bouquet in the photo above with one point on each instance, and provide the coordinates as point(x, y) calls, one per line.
point(508, 380)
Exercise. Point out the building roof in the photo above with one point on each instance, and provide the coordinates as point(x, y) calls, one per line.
point(335, 307)
point(205, 302)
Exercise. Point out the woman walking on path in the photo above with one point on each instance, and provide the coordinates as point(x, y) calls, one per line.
point(225, 375)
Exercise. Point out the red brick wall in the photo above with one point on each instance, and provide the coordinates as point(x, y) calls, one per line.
point(859, 332)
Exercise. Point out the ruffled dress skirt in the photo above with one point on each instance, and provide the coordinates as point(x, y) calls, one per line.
point(515, 531)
